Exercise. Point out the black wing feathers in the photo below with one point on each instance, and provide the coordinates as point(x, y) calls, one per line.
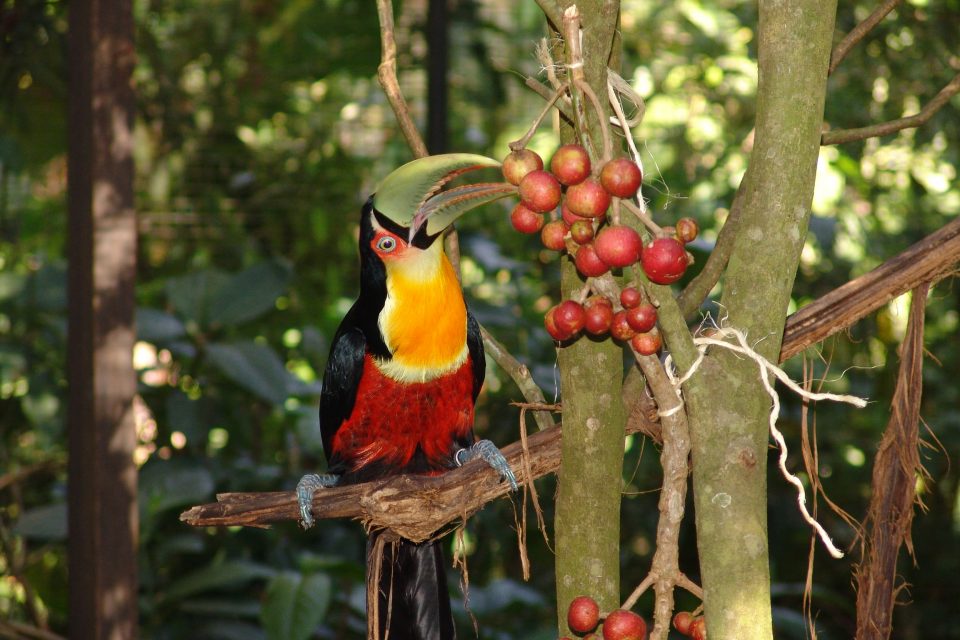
point(341, 379)
point(477, 357)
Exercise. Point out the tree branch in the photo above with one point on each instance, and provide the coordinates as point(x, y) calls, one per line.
point(418, 506)
point(929, 260)
point(413, 507)
point(699, 288)
point(858, 33)
point(387, 73)
point(520, 375)
point(841, 136)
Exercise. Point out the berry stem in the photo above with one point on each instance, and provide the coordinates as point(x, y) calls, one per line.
point(604, 128)
point(644, 218)
point(517, 145)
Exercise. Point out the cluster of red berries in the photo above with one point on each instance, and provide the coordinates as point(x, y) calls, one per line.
point(596, 244)
point(635, 322)
point(583, 617)
point(688, 625)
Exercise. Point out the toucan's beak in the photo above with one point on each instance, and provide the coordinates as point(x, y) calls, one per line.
point(411, 195)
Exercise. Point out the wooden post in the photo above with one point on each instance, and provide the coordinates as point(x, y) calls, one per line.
point(102, 262)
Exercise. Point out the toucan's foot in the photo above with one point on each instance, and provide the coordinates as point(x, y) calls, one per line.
point(305, 489)
point(488, 452)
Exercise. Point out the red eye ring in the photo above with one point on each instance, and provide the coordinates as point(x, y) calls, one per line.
point(386, 244)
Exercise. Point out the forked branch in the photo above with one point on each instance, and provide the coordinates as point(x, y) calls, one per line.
point(920, 118)
point(859, 32)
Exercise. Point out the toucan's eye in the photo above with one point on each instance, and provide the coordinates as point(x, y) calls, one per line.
point(386, 244)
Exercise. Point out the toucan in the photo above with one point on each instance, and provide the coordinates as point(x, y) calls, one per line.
point(403, 374)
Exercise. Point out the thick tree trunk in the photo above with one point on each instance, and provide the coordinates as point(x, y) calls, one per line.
point(727, 405)
point(587, 525)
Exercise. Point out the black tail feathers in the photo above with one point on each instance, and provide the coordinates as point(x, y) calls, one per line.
point(412, 601)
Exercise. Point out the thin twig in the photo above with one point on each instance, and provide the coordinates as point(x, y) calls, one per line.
point(521, 143)
point(665, 566)
point(931, 259)
point(520, 375)
point(587, 90)
point(841, 136)
point(552, 11)
point(654, 228)
point(387, 73)
point(546, 93)
point(699, 288)
point(859, 32)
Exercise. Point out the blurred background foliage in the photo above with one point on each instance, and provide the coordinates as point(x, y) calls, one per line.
point(262, 129)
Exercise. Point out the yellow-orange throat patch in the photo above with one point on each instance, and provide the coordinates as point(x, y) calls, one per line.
point(424, 318)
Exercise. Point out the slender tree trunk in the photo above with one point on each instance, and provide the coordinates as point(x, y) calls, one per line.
point(102, 252)
point(727, 405)
point(587, 525)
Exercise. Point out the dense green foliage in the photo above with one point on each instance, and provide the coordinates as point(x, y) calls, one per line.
point(262, 129)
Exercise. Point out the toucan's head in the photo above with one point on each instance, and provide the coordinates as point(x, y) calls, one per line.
point(410, 210)
point(411, 305)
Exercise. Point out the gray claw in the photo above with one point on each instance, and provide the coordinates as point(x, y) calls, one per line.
point(489, 452)
point(306, 488)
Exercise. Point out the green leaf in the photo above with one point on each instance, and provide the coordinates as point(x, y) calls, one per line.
point(308, 430)
point(175, 483)
point(156, 326)
point(11, 284)
point(229, 575)
point(295, 605)
point(229, 630)
point(222, 607)
point(48, 522)
point(249, 293)
point(191, 295)
point(257, 368)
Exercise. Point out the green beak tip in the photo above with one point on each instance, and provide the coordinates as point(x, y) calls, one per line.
point(405, 190)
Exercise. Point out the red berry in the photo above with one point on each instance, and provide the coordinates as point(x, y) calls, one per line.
point(646, 343)
point(553, 234)
point(630, 297)
point(618, 245)
point(643, 317)
point(664, 260)
point(698, 628)
point(571, 164)
point(681, 622)
point(583, 614)
point(540, 191)
point(599, 318)
point(624, 625)
point(569, 317)
point(588, 263)
point(621, 177)
point(549, 321)
point(519, 163)
point(569, 216)
point(588, 199)
point(581, 231)
point(620, 328)
point(524, 220)
point(687, 230)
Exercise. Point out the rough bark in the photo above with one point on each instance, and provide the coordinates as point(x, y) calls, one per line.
point(727, 405)
point(587, 522)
